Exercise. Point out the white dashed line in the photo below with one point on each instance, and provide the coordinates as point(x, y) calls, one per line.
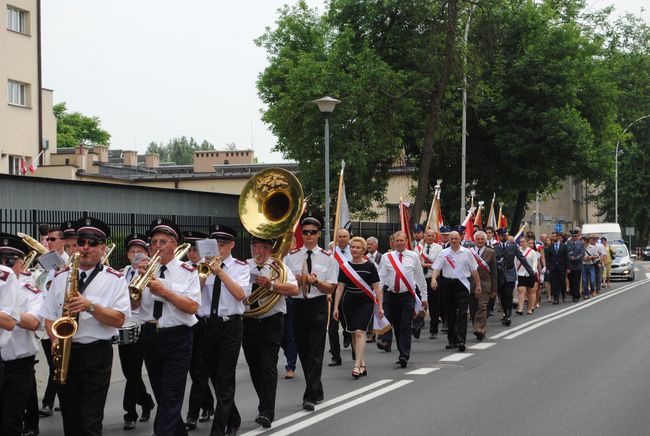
point(422, 371)
point(456, 357)
point(482, 346)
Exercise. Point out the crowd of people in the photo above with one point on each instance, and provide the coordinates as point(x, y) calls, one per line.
point(192, 314)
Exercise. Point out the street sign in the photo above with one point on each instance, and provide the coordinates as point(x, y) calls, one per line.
point(558, 227)
point(629, 231)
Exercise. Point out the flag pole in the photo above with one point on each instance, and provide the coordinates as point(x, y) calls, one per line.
point(337, 220)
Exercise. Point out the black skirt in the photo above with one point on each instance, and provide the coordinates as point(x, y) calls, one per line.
point(528, 281)
point(357, 309)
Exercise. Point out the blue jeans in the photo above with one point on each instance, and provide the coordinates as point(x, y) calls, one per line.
point(588, 279)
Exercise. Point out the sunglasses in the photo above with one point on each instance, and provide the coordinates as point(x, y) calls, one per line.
point(52, 239)
point(89, 242)
point(310, 232)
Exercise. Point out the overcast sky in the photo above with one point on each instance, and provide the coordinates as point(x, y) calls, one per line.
point(157, 69)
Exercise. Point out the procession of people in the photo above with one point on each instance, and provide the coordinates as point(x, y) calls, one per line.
point(181, 312)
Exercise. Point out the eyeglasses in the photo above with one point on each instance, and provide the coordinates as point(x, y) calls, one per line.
point(52, 239)
point(310, 232)
point(89, 242)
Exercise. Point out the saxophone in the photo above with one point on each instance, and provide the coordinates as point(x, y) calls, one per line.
point(66, 326)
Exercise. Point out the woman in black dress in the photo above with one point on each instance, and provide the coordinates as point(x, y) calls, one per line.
point(356, 304)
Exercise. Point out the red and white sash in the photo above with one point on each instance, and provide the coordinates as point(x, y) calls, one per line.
point(350, 273)
point(400, 274)
point(454, 268)
point(482, 263)
point(526, 256)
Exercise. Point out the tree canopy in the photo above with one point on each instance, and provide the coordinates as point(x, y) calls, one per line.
point(178, 150)
point(74, 128)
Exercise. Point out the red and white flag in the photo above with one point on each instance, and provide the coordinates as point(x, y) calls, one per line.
point(34, 164)
point(405, 219)
point(23, 166)
point(492, 218)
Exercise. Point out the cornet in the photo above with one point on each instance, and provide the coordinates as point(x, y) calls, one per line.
point(205, 268)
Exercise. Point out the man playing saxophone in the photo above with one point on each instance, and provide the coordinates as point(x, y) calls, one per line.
point(100, 304)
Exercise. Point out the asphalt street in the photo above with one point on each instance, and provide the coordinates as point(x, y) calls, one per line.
point(572, 369)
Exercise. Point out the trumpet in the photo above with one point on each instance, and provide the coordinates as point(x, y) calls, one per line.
point(141, 281)
point(205, 268)
point(109, 250)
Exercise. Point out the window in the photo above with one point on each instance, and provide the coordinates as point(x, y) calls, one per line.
point(225, 162)
point(17, 20)
point(18, 93)
point(14, 165)
point(392, 213)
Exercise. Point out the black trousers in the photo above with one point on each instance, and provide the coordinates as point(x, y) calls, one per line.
point(135, 391)
point(288, 338)
point(167, 355)
point(83, 396)
point(575, 276)
point(31, 414)
point(222, 344)
point(16, 390)
point(435, 305)
point(505, 290)
point(261, 346)
point(456, 306)
point(558, 283)
point(200, 393)
point(398, 308)
point(51, 388)
point(333, 334)
point(309, 326)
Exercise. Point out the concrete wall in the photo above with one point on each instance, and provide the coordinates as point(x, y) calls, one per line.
point(204, 160)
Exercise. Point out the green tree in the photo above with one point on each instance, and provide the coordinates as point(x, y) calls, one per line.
point(179, 150)
point(74, 128)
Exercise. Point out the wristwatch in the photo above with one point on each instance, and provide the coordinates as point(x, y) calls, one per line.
point(91, 308)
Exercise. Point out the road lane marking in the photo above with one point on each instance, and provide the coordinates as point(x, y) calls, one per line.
point(422, 371)
point(456, 357)
point(304, 413)
point(550, 315)
point(576, 309)
point(482, 346)
point(317, 417)
point(647, 275)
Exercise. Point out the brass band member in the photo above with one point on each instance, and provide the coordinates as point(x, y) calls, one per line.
point(263, 333)
point(8, 315)
point(167, 308)
point(19, 352)
point(316, 271)
point(131, 355)
point(101, 307)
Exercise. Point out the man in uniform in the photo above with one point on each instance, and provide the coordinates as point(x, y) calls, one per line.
point(342, 247)
point(557, 263)
point(222, 307)
point(19, 352)
point(487, 272)
point(418, 236)
point(56, 241)
point(201, 400)
point(167, 307)
point(263, 333)
point(131, 355)
point(101, 307)
point(506, 273)
point(428, 254)
point(316, 272)
point(575, 254)
point(401, 271)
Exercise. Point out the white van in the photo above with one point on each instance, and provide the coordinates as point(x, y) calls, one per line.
point(611, 231)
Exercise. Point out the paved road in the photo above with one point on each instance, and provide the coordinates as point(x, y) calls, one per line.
point(573, 369)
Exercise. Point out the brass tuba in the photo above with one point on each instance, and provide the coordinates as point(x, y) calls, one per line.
point(38, 249)
point(270, 206)
point(66, 326)
point(141, 281)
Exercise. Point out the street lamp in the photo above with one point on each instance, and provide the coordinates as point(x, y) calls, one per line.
point(618, 143)
point(326, 106)
point(463, 152)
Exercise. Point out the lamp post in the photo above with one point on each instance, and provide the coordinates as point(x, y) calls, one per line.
point(618, 143)
point(463, 153)
point(326, 106)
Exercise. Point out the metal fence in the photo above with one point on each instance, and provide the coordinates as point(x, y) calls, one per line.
point(123, 224)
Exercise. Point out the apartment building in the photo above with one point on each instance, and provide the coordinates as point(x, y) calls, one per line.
point(27, 123)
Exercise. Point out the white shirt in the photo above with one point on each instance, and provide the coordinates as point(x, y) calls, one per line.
point(411, 266)
point(281, 305)
point(23, 343)
point(463, 259)
point(322, 264)
point(129, 272)
point(107, 289)
point(532, 257)
point(228, 305)
point(347, 254)
point(8, 299)
point(182, 279)
point(434, 250)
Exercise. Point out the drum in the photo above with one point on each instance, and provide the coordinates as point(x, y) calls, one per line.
point(129, 333)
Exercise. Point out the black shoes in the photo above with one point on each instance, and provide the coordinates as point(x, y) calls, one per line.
point(129, 425)
point(507, 322)
point(556, 301)
point(386, 346)
point(30, 433)
point(402, 362)
point(45, 411)
point(450, 346)
point(416, 333)
point(263, 421)
point(190, 423)
point(433, 336)
point(461, 347)
point(205, 415)
point(347, 340)
point(479, 336)
point(335, 362)
point(308, 406)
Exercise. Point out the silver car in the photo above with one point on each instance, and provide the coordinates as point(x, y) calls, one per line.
point(622, 264)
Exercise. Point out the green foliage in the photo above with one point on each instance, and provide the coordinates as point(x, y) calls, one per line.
point(74, 128)
point(178, 150)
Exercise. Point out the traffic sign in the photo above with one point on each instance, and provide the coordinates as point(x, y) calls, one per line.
point(629, 231)
point(558, 227)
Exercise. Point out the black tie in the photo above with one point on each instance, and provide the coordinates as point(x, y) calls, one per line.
point(82, 279)
point(428, 249)
point(158, 305)
point(216, 294)
point(309, 252)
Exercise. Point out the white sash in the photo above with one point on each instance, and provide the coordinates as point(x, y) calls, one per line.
point(453, 265)
point(482, 263)
point(400, 274)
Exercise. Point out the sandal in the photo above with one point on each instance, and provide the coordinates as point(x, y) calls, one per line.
point(364, 370)
point(355, 372)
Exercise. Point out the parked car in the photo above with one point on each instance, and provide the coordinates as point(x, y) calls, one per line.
point(646, 253)
point(622, 263)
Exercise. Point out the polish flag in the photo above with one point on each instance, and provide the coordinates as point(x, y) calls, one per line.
point(23, 166)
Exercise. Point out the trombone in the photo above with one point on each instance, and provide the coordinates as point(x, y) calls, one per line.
point(109, 250)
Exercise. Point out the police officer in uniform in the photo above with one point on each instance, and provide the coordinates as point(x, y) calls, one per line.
point(19, 352)
point(316, 272)
point(263, 333)
point(201, 400)
point(576, 253)
point(131, 356)
point(167, 309)
point(222, 307)
point(102, 306)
